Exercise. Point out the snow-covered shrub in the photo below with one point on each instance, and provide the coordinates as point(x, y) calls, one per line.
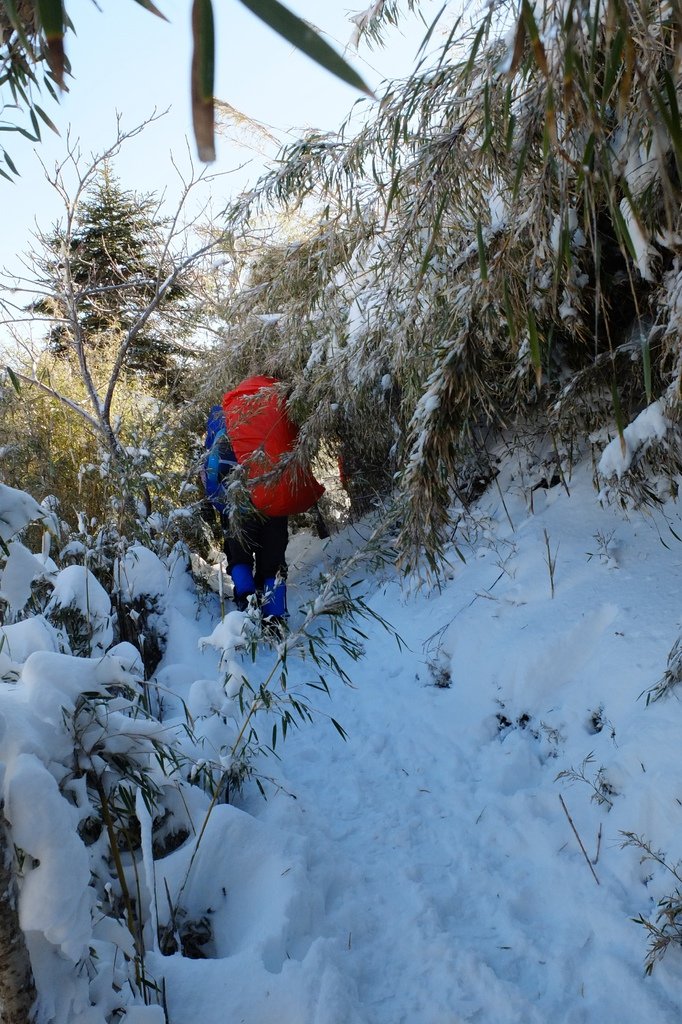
point(79, 757)
point(21, 571)
point(121, 794)
point(82, 609)
point(476, 259)
point(141, 583)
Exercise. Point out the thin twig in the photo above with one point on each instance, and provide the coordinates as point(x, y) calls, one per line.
point(504, 504)
point(580, 842)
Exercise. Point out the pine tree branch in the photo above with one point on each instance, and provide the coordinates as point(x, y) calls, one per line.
point(162, 290)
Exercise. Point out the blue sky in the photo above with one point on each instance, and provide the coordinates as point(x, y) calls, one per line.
point(124, 59)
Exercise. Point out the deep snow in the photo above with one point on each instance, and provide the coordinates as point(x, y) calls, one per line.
point(425, 870)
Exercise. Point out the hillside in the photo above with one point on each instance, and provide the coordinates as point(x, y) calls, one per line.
point(426, 869)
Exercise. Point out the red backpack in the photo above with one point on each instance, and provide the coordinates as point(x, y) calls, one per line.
point(261, 432)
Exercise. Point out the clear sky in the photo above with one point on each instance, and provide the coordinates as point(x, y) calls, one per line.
point(125, 59)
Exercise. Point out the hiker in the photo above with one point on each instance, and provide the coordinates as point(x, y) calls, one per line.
point(252, 429)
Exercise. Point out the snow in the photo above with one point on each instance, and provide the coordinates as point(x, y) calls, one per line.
point(140, 572)
point(55, 898)
point(17, 510)
point(650, 425)
point(77, 589)
point(425, 870)
point(644, 252)
point(19, 639)
point(21, 568)
point(268, 318)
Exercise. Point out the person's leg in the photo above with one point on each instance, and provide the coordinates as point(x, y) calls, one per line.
point(271, 565)
point(240, 550)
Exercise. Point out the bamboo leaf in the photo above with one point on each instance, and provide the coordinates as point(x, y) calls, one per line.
point(304, 38)
point(674, 123)
point(473, 53)
point(613, 66)
point(534, 344)
point(395, 185)
point(509, 139)
point(520, 169)
point(487, 118)
point(17, 24)
point(444, 50)
point(569, 67)
point(629, 61)
point(149, 6)
point(10, 163)
point(14, 379)
point(203, 72)
point(339, 728)
point(43, 117)
point(481, 252)
point(22, 131)
point(430, 30)
point(622, 231)
point(670, 116)
point(509, 313)
point(434, 235)
point(51, 17)
point(519, 42)
point(550, 117)
point(48, 85)
point(34, 122)
point(536, 42)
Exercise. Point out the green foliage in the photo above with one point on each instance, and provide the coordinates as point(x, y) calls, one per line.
point(112, 248)
point(127, 773)
point(32, 32)
point(497, 245)
point(97, 412)
point(300, 34)
point(30, 37)
point(49, 450)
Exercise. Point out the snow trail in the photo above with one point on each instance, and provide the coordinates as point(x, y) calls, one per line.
point(429, 873)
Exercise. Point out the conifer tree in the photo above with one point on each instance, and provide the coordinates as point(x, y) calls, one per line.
point(114, 284)
point(115, 253)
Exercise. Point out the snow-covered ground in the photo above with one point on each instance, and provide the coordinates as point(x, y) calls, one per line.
point(427, 870)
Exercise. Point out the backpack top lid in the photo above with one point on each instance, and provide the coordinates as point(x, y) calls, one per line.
point(261, 433)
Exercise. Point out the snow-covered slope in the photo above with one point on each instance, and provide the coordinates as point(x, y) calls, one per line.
point(426, 870)
point(459, 858)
